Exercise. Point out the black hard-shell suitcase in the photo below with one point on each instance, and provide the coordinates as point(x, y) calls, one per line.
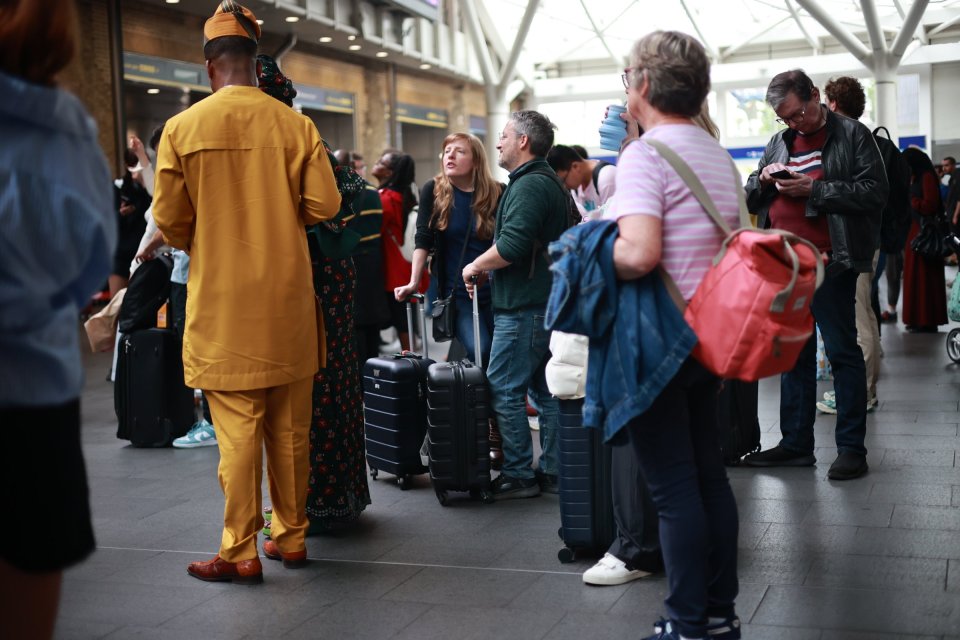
point(395, 408)
point(458, 427)
point(586, 500)
point(153, 404)
point(737, 419)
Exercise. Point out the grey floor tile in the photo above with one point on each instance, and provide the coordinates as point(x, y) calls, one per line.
point(831, 634)
point(472, 623)
point(353, 619)
point(953, 575)
point(481, 587)
point(908, 543)
point(851, 514)
point(72, 629)
point(131, 604)
point(780, 511)
point(919, 458)
point(644, 599)
point(769, 632)
point(870, 611)
point(920, 406)
point(358, 580)
point(875, 572)
point(153, 633)
point(916, 517)
point(766, 566)
point(751, 533)
point(240, 610)
point(947, 430)
point(810, 538)
point(911, 494)
point(567, 593)
point(580, 626)
point(105, 562)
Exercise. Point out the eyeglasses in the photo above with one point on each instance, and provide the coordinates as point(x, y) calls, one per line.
point(793, 119)
point(625, 76)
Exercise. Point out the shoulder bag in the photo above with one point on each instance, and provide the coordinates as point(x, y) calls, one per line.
point(444, 311)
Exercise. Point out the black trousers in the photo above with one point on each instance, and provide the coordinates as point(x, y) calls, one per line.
point(638, 531)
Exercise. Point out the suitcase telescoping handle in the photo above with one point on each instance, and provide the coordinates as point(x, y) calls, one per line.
point(423, 320)
point(476, 324)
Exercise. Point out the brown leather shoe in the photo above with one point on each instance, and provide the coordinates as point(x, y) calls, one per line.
point(294, 560)
point(219, 570)
point(496, 446)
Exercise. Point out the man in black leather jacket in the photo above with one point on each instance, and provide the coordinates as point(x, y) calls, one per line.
point(832, 194)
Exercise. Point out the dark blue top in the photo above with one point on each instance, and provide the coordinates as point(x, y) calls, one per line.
point(453, 237)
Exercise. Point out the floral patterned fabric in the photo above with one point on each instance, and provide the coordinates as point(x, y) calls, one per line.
point(338, 490)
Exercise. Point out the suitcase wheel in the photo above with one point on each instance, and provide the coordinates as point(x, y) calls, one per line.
point(442, 497)
point(374, 473)
point(566, 555)
point(405, 482)
point(482, 494)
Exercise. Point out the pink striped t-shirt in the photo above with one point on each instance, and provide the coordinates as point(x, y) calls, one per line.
point(647, 185)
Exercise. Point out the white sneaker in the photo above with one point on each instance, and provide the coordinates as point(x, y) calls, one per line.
point(200, 435)
point(610, 570)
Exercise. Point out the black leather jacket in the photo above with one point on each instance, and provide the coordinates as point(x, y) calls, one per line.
point(851, 194)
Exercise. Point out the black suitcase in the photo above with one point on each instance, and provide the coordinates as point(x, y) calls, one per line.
point(458, 425)
point(395, 408)
point(738, 421)
point(153, 404)
point(586, 500)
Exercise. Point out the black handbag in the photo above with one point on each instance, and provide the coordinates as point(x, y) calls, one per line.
point(931, 243)
point(444, 312)
point(444, 315)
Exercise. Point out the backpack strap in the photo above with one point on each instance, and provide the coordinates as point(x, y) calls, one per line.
point(699, 191)
point(876, 132)
point(596, 173)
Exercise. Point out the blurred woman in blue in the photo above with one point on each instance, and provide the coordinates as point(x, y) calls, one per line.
point(58, 238)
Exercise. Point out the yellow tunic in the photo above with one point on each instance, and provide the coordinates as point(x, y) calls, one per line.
point(238, 176)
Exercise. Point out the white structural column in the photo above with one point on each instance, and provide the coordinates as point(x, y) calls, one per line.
point(881, 60)
point(498, 84)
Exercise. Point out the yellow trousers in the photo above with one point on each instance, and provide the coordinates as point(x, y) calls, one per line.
point(246, 421)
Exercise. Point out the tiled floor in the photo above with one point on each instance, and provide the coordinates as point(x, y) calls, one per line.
point(873, 559)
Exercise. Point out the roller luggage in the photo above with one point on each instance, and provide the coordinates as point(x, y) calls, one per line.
point(395, 408)
point(586, 500)
point(458, 414)
point(738, 421)
point(153, 404)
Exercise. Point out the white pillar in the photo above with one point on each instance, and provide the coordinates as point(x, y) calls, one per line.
point(886, 80)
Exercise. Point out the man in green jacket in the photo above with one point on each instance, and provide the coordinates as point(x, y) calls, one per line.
point(532, 214)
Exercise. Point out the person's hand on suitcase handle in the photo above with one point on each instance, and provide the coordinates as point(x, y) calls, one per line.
point(472, 277)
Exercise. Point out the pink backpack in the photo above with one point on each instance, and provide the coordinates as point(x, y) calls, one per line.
point(751, 312)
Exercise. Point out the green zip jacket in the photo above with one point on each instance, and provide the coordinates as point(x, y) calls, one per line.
point(532, 214)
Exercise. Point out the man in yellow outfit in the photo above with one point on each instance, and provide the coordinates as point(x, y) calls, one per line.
point(238, 176)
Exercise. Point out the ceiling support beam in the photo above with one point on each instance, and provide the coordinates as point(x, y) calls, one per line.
point(835, 29)
point(706, 43)
point(725, 53)
point(616, 60)
point(814, 43)
point(910, 24)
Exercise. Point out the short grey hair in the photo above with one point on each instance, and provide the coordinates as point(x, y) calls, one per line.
point(795, 81)
point(678, 70)
point(538, 129)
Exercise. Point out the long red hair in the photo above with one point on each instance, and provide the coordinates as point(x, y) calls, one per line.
point(486, 190)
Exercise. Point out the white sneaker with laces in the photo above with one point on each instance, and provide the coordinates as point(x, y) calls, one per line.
point(611, 570)
point(200, 435)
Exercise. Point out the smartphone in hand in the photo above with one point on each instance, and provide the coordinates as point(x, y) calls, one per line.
point(783, 174)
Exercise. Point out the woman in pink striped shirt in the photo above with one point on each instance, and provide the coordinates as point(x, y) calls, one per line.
point(677, 440)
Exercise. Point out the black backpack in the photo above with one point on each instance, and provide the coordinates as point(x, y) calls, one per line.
point(895, 223)
point(148, 289)
point(573, 213)
point(596, 173)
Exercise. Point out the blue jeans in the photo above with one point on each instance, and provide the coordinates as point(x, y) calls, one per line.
point(833, 309)
point(464, 328)
point(518, 358)
point(677, 443)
